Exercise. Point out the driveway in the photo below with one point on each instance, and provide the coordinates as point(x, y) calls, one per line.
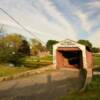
point(50, 85)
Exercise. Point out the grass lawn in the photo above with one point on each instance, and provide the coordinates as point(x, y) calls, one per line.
point(28, 62)
point(37, 62)
point(6, 70)
point(96, 60)
point(36, 58)
point(92, 92)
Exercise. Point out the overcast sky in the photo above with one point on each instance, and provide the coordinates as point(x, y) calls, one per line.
point(54, 19)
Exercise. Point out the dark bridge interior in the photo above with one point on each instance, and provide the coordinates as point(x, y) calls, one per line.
point(71, 58)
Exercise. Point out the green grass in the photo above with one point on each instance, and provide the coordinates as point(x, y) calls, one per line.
point(47, 58)
point(92, 92)
point(36, 62)
point(96, 59)
point(28, 63)
point(6, 70)
point(36, 58)
point(96, 62)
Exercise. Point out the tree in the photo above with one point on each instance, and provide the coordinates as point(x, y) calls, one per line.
point(14, 40)
point(49, 45)
point(36, 47)
point(86, 43)
point(24, 49)
point(95, 50)
point(5, 51)
point(9, 46)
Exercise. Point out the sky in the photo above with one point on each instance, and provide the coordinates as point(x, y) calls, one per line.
point(53, 19)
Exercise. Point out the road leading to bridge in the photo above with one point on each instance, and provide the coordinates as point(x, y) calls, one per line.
point(45, 86)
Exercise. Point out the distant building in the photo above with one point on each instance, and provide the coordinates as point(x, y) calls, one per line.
point(99, 50)
point(43, 53)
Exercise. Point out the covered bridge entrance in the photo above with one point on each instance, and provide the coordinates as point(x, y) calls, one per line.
point(70, 54)
point(69, 57)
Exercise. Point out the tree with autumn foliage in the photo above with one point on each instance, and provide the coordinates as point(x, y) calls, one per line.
point(36, 47)
point(12, 48)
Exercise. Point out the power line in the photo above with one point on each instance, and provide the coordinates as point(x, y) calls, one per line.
point(19, 24)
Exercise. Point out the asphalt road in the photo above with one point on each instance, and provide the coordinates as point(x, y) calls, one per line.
point(44, 86)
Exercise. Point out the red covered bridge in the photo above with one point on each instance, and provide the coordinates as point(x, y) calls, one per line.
point(70, 54)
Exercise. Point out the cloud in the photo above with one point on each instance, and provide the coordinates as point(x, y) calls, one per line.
point(94, 11)
point(34, 19)
point(84, 21)
point(57, 15)
point(53, 19)
point(95, 4)
point(4, 19)
point(95, 38)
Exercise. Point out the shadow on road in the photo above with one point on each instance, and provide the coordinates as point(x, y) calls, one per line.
point(52, 89)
